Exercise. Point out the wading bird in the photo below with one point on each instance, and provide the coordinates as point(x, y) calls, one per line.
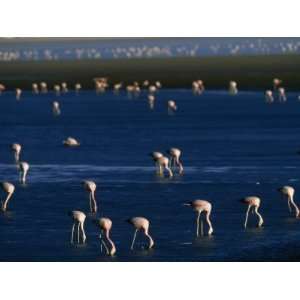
point(18, 93)
point(233, 88)
point(269, 96)
point(16, 149)
point(200, 206)
point(90, 187)
point(57, 89)
point(44, 88)
point(71, 142)
point(155, 156)
point(281, 94)
point(105, 225)
point(23, 167)
point(175, 154)
point(151, 101)
point(56, 108)
point(252, 202)
point(78, 219)
point(35, 88)
point(276, 83)
point(289, 192)
point(172, 107)
point(64, 87)
point(142, 224)
point(77, 87)
point(9, 189)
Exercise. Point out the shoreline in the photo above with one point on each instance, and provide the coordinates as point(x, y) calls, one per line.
point(250, 72)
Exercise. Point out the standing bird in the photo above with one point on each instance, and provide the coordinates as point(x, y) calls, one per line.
point(105, 227)
point(155, 156)
point(18, 93)
point(141, 223)
point(151, 101)
point(175, 159)
point(172, 107)
point(64, 87)
point(281, 94)
point(202, 206)
point(16, 149)
point(289, 192)
point(233, 88)
point(23, 167)
point(77, 87)
point(44, 88)
point(276, 83)
point(57, 89)
point(35, 88)
point(91, 186)
point(78, 218)
point(9, 189)
point(71, 142)
point(269, 96)
point(56, 108)
point(253, 202)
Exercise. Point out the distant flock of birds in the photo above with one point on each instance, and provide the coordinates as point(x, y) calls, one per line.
point(163, 163)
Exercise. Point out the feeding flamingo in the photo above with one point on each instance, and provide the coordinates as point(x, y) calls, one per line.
point(9, 189)
point(78, 219)
point(35, 88)
point(56, 108)
point(18, 93)
point(142, 224)
point(253, 202)
point(24, 167)
point(233, 88)
point(289, 192)
point(91, 186)
point(16, 148)
point(172, 107)
point(105, 227)
point(281, 94)
point(202, 206)
point(175, 154)
point(269, 96)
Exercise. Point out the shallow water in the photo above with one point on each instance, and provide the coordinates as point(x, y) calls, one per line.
point(233, 146)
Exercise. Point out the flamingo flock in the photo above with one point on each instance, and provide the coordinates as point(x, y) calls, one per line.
point(168, 164)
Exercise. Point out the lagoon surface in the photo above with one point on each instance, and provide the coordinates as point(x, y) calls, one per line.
point(232, 146)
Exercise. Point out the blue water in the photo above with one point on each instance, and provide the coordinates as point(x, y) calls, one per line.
point(233, 146)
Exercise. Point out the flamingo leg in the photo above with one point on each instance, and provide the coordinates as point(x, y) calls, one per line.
point(198, 219)
point(78, 240)
point(210, 231)
point(247, 213)
point(4, 204)
point(296, 207)
point(83, 233)
point(101, 247)
point(169, 170)
point(72, 234)
point(94, 202)
point(289, 205)
point(261, 221)
point(90, 201)
point(134, 237)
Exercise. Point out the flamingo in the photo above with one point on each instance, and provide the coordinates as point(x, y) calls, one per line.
point(233, 88)
point(155, 156)
point(24, 167)
point(2, 88)
point(9, 189)
point(78, 218)
point(105, 227)
point(172, 107)
point(269, 96)
point(289, 192)
point(202, 206)
point(44, 88)
point(141, 223)
point(158, 84)
point(146, 83)
point(35, 88)
point(18, 93)
point(78, 87)
point(117, 87)
point(151, 100)
point(91, 186)
point(16, 148)
point(71, 142)
point(152, 89)
point(64, 87)
point(175, 154)
point(253, 202)
point(276, 83)
point(57, 89)
point(163, 163)
point(56, 108)
point(281, 94)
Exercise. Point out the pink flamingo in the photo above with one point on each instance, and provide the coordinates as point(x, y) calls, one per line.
point(253, 202)
point(9, 189)
point(91, 186)
point(141, 223)
point(16, 148)
point(105, 227)
point(175, 154)
point(289, 192)
point(78, 219)
point(71, 142)
point(24, 167)
point(202, 206)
